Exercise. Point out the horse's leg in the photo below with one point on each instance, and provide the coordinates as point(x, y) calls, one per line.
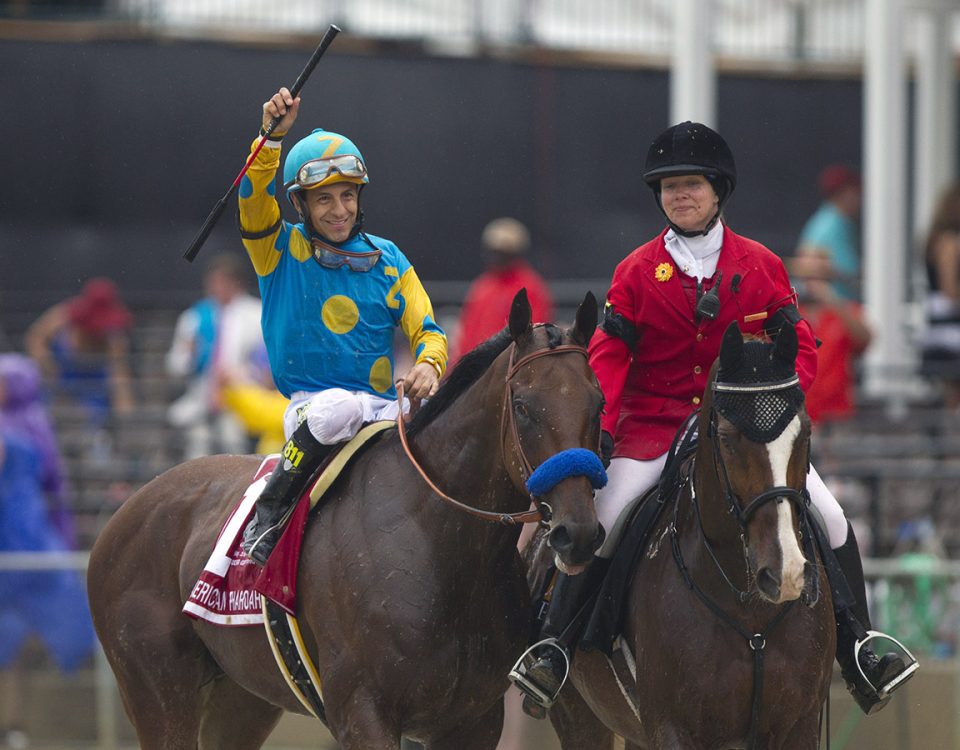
point(577, 726)
point(163, 670)
point(233, 718)
point(160, 666)
point(482, 734)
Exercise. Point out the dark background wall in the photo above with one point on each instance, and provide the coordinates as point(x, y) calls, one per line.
point(115, 151)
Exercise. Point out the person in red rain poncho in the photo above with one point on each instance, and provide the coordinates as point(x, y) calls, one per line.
point(669, 304)
point(506, 242)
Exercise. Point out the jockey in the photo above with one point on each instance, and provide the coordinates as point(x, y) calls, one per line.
point(332, 297)
point(669, 303)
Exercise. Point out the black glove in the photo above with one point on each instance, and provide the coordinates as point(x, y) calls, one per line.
point(606, 448)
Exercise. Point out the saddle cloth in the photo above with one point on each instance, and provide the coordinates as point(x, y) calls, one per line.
point(229, 589)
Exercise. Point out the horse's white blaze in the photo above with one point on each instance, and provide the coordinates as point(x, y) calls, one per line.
point(791, 575)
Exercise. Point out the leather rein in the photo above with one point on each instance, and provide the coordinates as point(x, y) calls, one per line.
point(507, 422)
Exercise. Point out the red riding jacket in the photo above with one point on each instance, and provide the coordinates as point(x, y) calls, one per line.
point(651, 389)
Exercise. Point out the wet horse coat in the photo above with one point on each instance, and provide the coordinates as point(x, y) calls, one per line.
point(695, 673)
point(412, 610)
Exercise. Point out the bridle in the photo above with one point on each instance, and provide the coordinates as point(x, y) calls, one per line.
point(508, 426)
point(800, 501)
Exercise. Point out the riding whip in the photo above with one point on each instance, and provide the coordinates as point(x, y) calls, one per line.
point(218, 209)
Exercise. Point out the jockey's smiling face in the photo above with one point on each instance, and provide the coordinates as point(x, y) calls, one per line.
point(333, 209)
point(689, 201)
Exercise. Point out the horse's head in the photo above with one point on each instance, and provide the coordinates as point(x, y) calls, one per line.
point(758, 432)
point(552, 424)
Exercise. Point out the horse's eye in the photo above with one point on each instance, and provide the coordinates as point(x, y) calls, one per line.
point(520, 408)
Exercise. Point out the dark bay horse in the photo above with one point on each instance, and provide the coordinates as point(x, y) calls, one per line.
point(412, 609)
point(734, 527)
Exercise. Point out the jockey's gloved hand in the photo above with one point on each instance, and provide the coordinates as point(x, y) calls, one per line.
point(606, 448)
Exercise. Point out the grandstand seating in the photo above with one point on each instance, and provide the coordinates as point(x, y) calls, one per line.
point(106, 466)
point(886, 472)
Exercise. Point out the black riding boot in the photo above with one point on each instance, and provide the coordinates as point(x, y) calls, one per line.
point(874, 680)
point(302, 454)
point(543, 668)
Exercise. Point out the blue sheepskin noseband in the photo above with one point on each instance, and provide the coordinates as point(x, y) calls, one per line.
point(573, 462)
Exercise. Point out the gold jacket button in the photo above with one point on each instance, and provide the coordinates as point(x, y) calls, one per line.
point(697, 369)
point(696, 401)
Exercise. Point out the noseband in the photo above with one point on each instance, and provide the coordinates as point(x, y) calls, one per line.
point(508, 424)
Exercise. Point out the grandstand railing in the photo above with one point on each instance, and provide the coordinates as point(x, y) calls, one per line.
point(788, 31)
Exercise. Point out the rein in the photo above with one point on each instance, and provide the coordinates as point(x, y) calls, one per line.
point(507, 420)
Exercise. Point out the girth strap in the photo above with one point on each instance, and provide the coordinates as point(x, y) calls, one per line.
point(290, 652)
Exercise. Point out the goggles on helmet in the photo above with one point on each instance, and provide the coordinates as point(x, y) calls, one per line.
point(315, 171)
point(331, 257)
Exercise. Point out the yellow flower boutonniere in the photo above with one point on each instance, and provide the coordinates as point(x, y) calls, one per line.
point(664, 272)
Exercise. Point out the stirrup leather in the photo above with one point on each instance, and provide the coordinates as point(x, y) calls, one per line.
point(912, 665)
point(536, 692)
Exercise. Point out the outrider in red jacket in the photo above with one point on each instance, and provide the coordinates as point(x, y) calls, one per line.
point(487, 305)
point(653, 387)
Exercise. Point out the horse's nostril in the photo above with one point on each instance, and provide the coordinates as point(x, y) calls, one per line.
point(559, 538)
point(600, 537)
point(768, 583)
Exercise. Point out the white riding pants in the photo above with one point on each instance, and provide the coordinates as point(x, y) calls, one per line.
point(335, 415)
point(628, 478)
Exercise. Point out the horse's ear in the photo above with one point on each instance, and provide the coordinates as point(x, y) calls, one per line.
point(731, 348)
point(787, 344)
point(520, 315)
point(586, 321)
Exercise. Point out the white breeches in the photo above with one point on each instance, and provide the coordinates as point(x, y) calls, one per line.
point(628, 478)
point(335, 415)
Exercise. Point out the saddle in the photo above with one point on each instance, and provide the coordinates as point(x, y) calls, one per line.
point(605, 622)
point(278, 580)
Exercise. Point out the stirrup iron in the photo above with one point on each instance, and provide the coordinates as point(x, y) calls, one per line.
point(278, 526)
point(912, 665)
point(536, 692)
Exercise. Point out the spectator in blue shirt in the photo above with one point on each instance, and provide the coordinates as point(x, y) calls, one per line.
point(832, 231)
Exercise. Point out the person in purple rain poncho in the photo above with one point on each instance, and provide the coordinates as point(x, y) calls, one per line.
point(51, 604)
point(23, 410)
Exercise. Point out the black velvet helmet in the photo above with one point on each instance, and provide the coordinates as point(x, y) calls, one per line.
point(691, 148)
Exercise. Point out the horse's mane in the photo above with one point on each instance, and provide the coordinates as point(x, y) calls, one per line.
point(468, 371)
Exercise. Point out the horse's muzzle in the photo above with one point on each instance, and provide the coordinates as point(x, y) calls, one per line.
point(575, 543)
